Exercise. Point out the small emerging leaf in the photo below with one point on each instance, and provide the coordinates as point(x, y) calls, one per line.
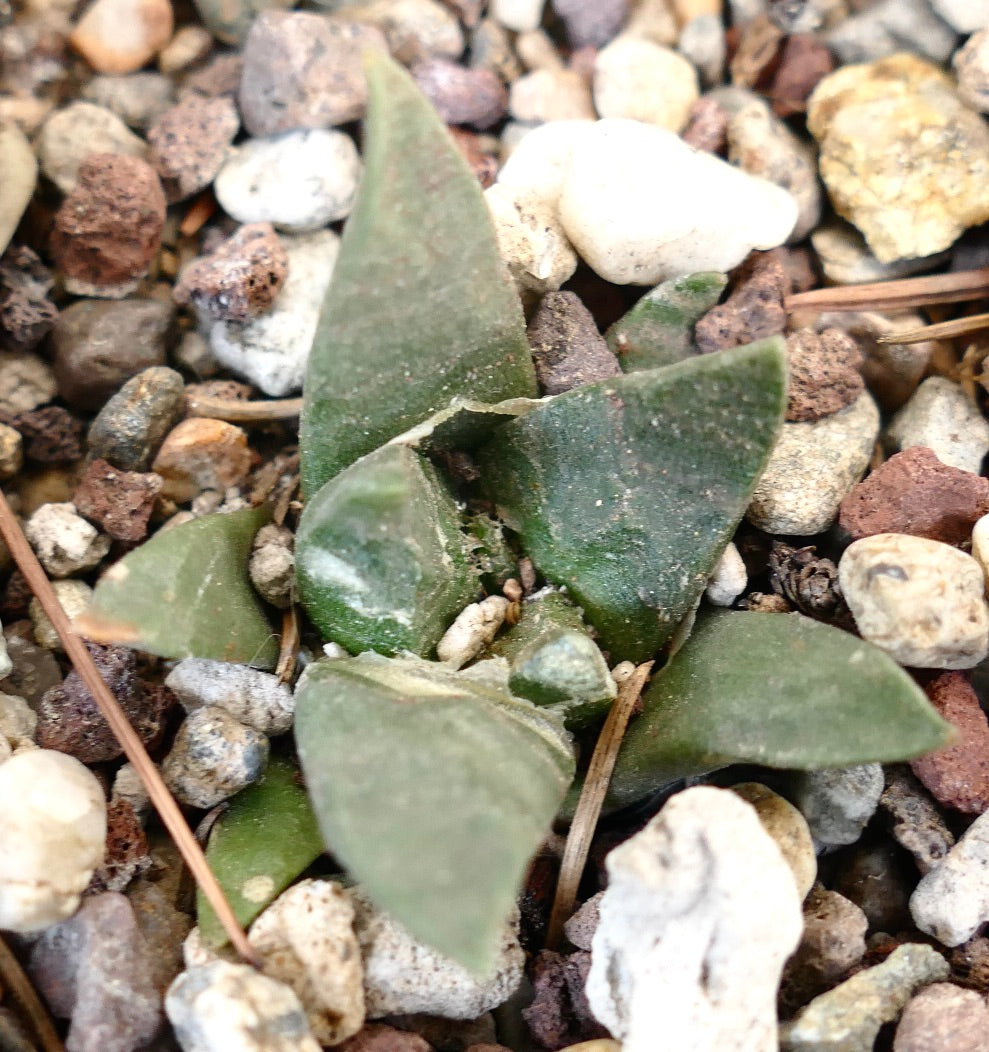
point(778, 690)
point(381, 560)
point(267, 836)
point(433, 789)
point(421, 308)
point(659, 329)
point(186, 593)
point(627, 490)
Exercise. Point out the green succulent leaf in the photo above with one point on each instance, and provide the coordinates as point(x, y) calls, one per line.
point(382, 562)
point(186, 593)
point(433, 788)
point(659, 329)
point(421, 308)
point(627, 490)
point(778, 690)
point(267, 836)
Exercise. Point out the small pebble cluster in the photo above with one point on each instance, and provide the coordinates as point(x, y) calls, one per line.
point(174, 182)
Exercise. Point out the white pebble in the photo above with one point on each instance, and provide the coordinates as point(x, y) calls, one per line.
point(73, 597)
point(951, 902)
point(980, 546)
point(550, 95)
point(224, 1007)
point(641, 206)
point(403, 975)
point(518, 15)
point(474, 628)
point(299, 181)
point(213, 757)
point(640, 80)
point(811, 468)
point(18, 720)
point(64, 541)
point(53, 828)
point(964, 16)
point(6, 665)
point(127, 786)
point(942, 417)
point(538, 164)
point(272, 351)
point(70, 135)
point(306, 940)
point(531, 240)
point(255, 698)
point(728, 580)
point(921, 601)
point(700, 913)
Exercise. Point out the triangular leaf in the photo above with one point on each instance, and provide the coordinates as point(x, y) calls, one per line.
point(627, 490)
point(779, 690)
point(267, 836)
point(433, 789)
point(421, 308)
point(186, 593)
point(381, 559)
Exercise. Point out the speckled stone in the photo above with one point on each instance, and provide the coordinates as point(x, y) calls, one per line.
point(941, 416)
point(190, 142)
point(943, 1018)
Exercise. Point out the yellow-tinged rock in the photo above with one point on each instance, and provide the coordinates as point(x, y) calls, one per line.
point(120, 36)
point(902, 157)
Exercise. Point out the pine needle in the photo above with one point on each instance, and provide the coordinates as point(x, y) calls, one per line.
point(125, 734)
point(591, 800)
point(896, 295)
point(20, 988)
point(942, 330)
point(235, 411)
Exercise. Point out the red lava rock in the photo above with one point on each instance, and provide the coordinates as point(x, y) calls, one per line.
point(824, 374)
point(462, 95)
point(126, 850)
point(376, 1037)
point(958, 776)
point(119, 502)
point(914, 493)
point(109, 228)
point(52, 435)
point(240, 278)
point(707, 126)
point(189, 143)
point(303, 70)
point(753, 311)
point(805, 61)
point(26, 313)
point(591, 22)
point(484, 165)
point(559, 1014)
point(70, 721)
point(943, 1018)
point(567, 349)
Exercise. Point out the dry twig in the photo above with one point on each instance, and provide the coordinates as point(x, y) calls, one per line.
point(132, 745)
point(942, 330)
point(235, 411)
point(895, 295)
point(592, 796)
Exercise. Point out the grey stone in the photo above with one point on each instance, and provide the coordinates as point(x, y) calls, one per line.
point(95, 970)
point(272, 565)
point(213, 757)
point(255, 698)
point(887, 27)
point(133, 424)
point(915, 821)
point(699, 915)
point(100, 344)
point(138, 99)
point(942, 417)
point(838, 803)
point(848, 1018)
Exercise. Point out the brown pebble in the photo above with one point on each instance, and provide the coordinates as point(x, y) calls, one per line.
point(201, 454)
point(70, 721)
point(707, 126)
point(753, 311)
point(240, 278)
point(560, 1014)
point(120, 36)
point(376, 1037)
point(914, 819)
point(943, 1018)
point(824, 376)
point(109, 228)
point(189, 143)
point(220, 76)
point(119, 502)
point(460, 95)
point(804, 63)
point(958, 776)
point(970, 963)
point(228, 390)
point(126, 850)
point(304, 70)
point(757, 53)
point(52, 435)
point(567, 349)
point(915, 493)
